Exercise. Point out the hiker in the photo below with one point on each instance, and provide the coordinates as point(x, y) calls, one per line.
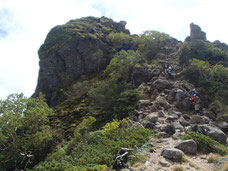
point(197, 105)
point(169, 72)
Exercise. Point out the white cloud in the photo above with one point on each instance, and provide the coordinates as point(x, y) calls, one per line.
point(28, 22)
point(170, 16)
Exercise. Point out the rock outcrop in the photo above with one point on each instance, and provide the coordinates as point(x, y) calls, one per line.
point(196, 33)
point(221, 45)
point(70, 50)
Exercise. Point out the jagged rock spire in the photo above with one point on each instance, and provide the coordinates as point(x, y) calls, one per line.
point(196, 33)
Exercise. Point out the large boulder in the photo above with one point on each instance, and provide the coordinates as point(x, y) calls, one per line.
point(180, 95)
point(169, 129)
point(172, 154)
point(223, 126)
point(78, 47)
point(211, 131)
point(217, 134)
point(187, 146)
point(161, 84)
point(144, 103)
point(183, 122)
point(163, 102)
point(196, 119)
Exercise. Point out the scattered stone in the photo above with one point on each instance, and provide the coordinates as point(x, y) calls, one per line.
point(177, 135)
point(196, 119)
point(186, 117)
point(172, 154)
point(160, 84)
point(187, 146)
point(170, 129)
point(209, 113)
point(148, 125)
point(163, 102)
point(183, 122)
point(177, 125)
point(153, 108)
point(163, 135)
point(161, 114)
point(144, 103)
point(152, 150)
point(163, 162)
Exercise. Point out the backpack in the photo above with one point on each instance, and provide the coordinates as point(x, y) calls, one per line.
point(192, 93)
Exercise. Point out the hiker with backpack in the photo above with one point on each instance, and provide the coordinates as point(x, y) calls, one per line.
point(169, 72)
point(197, 105)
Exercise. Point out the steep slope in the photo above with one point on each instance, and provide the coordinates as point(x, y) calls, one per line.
point(130, 95)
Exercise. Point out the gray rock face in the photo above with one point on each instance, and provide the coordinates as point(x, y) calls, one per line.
point(71, 50)
point(172, 154)
point(161, 84)
point(187, 146)
point(196, 33)
point(143, 75)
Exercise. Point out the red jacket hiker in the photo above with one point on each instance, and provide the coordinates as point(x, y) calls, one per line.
point(196, 101)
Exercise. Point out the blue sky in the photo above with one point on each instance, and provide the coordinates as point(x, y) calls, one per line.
point(24, 25)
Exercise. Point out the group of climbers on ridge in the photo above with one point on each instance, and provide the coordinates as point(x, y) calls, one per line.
point(194, 98)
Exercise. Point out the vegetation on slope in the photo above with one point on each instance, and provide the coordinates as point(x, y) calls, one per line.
point(207, 69)
point(88, 128)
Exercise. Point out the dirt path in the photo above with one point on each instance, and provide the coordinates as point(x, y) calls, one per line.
point(156, 162)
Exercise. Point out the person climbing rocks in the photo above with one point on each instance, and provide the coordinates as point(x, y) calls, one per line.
point(197, 105)
point(169, 72)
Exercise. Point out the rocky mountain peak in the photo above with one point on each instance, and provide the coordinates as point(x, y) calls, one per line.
point(75, 48)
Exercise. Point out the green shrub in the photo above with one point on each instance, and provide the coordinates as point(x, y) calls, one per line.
point(150, 44)
point(206, 144)
point(203, 51)
point(98, 148)
point(122, 41)
point(211, 80)
point(112, 100)
point(24, 131)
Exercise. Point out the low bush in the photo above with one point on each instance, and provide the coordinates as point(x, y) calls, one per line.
point(96, 149)
point(206, 144)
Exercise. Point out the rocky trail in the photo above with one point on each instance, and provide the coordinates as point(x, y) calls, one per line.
point(168, 111)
